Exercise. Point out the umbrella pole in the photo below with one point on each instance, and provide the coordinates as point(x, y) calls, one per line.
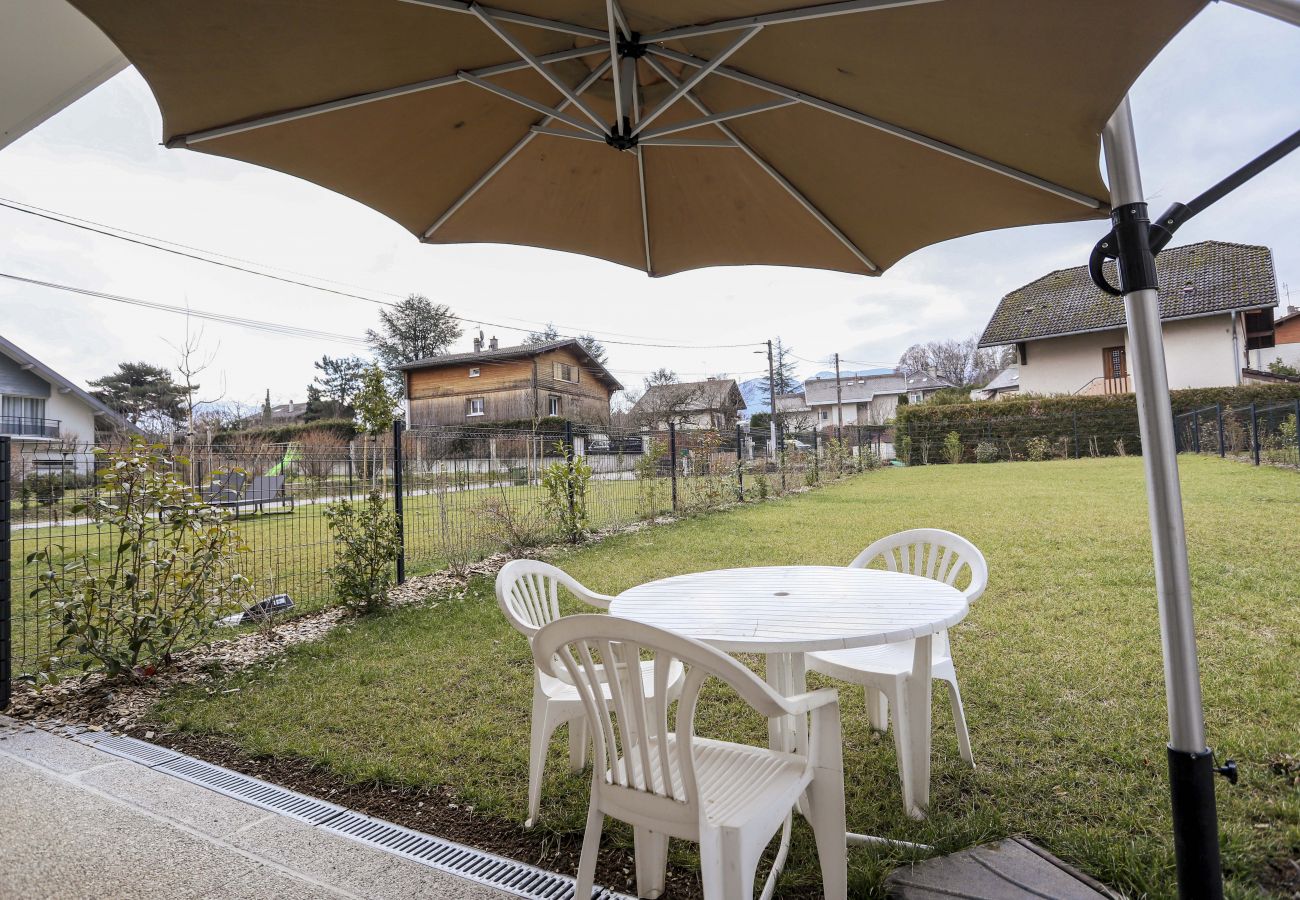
point(1191, 763)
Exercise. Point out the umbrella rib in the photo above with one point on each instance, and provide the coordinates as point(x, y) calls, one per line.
point(700, 74)
point(640, 177)
point(613, 58)
point(651, 135)
point(532, 104)
point(780, 17)
point(316, 109)
point(560, 132)
point(506, 15)
point(887, 127)
point(688, 142)
point(513, 43)
point(509, 155)
point(767, 167)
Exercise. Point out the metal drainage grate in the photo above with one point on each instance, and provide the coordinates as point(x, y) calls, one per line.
point(125, 747)
point(517, 878)
point(251, 790)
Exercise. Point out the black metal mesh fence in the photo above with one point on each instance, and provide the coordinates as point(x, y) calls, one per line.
point(465, 494)
point(1263, 434)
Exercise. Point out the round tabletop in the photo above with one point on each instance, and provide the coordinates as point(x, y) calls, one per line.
point(794, 609)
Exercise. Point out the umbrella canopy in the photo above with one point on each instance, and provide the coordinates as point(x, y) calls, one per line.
point(664, 135)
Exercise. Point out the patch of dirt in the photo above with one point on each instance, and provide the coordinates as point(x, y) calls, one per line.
point(435, 812)
point(1281, 878)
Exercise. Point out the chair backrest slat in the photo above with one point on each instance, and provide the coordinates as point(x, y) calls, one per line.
point(528, 592)
point(624, 727)
point(930, 553)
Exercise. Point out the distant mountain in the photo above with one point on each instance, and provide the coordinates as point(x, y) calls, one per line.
point(755, 394)
point(845, 373)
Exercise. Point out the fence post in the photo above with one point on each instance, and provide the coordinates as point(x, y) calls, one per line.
point(672, 457)
point(1196, 432)
point(398, 427)
point(569, 461)
point(816, 472)
point(6, 632)
point(1218, 415)
point(1075, 413)
point(740, 464)
point(1254, 433)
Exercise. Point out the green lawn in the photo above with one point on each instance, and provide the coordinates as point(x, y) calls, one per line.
point(1060, 667)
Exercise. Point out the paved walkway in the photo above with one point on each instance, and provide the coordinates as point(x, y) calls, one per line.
point(79, 822)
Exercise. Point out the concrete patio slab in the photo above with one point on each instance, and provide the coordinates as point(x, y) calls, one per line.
point(80, 822)
point(1014, 869)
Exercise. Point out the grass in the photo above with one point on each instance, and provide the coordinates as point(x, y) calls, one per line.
point(1060, 667)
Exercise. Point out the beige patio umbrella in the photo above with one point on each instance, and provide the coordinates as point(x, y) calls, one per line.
point(839, 136)
point(668, 135)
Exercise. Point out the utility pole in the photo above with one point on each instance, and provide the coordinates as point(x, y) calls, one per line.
point(839, 402)
point(771, 397)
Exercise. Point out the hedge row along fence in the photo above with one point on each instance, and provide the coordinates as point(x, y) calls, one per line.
point(1037, 428)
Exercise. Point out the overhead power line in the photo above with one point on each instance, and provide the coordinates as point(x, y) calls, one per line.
point(231, 262)
point(257, 324)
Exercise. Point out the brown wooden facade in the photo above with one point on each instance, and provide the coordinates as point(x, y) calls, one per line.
point(480, 389)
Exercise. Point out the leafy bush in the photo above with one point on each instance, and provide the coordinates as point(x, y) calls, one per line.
point(48, 488)
point(762, 485)
point(174, 570)
point(367, 544)
point(514, 528)
point(651, 489)
point(952, 449)
point(986, 452)
point(566, 483)
point(1038, 449)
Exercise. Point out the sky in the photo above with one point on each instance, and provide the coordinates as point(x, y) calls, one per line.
point(1224, 90)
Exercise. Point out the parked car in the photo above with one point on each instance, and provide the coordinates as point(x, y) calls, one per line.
point(796, 444)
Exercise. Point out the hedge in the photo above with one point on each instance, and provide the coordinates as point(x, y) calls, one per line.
point(1042, 427)
point(283, 434)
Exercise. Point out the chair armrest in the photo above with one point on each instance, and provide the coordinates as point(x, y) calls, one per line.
point(805, 703)
point(600, 601)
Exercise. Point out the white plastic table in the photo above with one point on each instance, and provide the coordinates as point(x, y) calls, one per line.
point(786, 611)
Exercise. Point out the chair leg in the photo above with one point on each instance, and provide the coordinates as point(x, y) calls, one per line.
point(734, 871)
point(651, 849)
point(543, 728)
point(959, 717)
point(577, 744)
point(826, 816)
point(877, 709)
point(590, 849)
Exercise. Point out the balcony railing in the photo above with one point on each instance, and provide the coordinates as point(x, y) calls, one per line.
point(24, 426)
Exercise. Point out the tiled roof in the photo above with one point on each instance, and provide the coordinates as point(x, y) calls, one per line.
point(1195, 280)
point(861, 389)
point(703, 396)
point(517, 351)
point(1005, 380)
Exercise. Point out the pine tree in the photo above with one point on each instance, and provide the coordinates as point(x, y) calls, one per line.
point(414, 329)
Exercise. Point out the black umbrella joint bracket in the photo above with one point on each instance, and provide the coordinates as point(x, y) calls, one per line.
point(1136, 252)
point(620, 135)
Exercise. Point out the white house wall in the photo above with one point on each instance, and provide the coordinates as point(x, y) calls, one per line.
point(1198, 353)
point(76, 420)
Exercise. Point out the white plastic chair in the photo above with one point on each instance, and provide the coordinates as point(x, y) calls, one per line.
point(528, 593)
point(666, 782)
point(883, 671)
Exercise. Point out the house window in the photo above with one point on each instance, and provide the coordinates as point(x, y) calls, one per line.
point(553, 405)
point(915, 397)
point(474, 406)
point(825, 415)
point(474, 373)
point(565, 372)
point(23, 415)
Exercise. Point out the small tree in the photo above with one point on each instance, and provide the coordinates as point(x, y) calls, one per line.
point(367, 546)
point(169, 571)
point(144, 395)
point(566, 483)
point(376, 410)
point(952, 449)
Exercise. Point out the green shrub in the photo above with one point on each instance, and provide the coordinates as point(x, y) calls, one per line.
point(952, 449)
point(174, 572)
point(986, 452)
point(367, 544)
point(762, 485)
point(1038, 449)
point(566, 483)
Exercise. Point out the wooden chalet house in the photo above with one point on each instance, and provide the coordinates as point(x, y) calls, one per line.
point(494, 384)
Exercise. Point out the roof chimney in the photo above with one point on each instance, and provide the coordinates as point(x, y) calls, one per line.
point(478, 343)
point(492, 345)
